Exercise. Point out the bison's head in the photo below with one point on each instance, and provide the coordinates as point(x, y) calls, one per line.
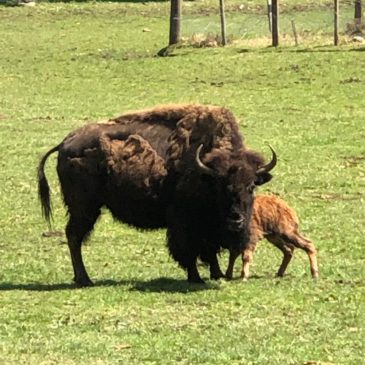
point(235, 176)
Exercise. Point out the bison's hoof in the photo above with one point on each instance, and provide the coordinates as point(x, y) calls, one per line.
point(196, 280)
point(83, 283)
point(217, 276)
point(229, 274)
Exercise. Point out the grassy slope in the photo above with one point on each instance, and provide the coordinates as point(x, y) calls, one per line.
point(61, 65)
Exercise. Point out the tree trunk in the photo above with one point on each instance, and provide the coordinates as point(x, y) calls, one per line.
point(275, 23)
point(358, 13)
point(336, 21)
point(223, 22)
point(175, 22)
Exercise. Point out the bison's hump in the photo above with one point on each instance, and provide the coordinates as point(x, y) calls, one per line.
point(189, 125)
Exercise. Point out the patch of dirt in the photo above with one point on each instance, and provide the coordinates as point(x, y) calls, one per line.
point(114, 55)
point(353, 161)
point(349, 282)
point(42, 118)
point(52, 234)
point(351, 80)
point(318, 363)
point(199, 40)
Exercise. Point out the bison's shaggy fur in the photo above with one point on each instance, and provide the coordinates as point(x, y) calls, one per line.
point(183, 167)
point(274, 220)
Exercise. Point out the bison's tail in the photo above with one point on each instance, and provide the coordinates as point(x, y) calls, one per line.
point(43, 187)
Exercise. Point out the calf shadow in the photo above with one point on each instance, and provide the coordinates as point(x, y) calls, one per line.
point(159, 285)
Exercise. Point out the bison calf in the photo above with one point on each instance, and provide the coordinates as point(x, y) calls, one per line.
point(274, 220)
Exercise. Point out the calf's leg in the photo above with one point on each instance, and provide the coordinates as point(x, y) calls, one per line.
point(298, 240)
point(287, 250)
point(247, 255)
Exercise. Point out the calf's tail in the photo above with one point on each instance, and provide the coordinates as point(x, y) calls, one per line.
point(44, 194)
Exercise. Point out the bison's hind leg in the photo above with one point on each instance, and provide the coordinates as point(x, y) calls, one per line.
point(78, 228)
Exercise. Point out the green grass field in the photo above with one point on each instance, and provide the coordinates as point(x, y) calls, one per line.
point(62, 65)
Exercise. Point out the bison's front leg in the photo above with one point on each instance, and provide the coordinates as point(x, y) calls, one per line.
point(185, 255)
point(215, 271)
point(233, 254)
point(182, 246)
point(193, 274)
point(210, 257)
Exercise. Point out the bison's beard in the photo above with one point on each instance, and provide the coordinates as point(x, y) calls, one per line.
point(235, 239)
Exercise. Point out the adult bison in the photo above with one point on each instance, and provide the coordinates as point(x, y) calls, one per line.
point(183, 167)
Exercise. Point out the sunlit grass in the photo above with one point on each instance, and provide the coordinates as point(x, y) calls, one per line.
point(63, 65)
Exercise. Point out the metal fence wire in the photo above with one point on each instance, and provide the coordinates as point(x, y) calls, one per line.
point(298, 25)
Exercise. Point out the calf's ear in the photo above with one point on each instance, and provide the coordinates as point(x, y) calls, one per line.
point(262, 178)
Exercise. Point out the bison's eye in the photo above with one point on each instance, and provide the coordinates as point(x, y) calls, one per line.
point(251, 187)
point(230, 188)
point(233, 170)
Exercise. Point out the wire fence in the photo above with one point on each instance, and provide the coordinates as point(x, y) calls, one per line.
point(298, 25)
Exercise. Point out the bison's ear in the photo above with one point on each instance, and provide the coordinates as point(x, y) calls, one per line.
point(257, 162)
point(262, 178)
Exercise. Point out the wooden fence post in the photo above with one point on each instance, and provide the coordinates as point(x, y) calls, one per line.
point(294, 32)
point(336, 20)
point(275, 23)
point(223, 22)
point(358, 13)
point(175, 22)
point(269, 14)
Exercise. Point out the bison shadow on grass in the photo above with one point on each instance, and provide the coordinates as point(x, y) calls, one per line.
point(159, 285)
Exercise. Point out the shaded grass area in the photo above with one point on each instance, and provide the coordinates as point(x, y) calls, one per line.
point(63, 65)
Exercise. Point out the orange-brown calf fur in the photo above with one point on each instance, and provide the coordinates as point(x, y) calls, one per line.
point(274, 220)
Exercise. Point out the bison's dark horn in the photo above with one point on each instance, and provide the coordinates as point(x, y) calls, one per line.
point(203, 167)
point(270, 165)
